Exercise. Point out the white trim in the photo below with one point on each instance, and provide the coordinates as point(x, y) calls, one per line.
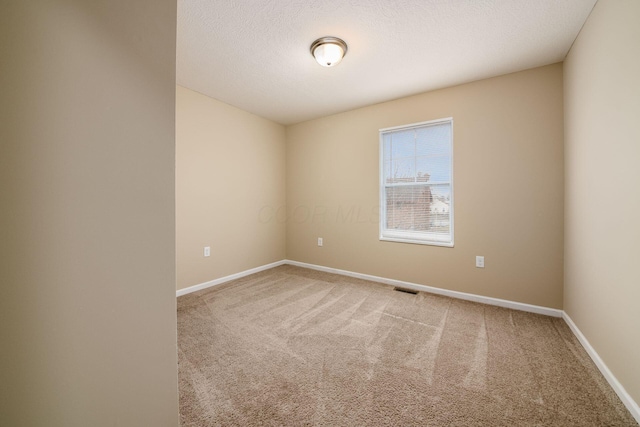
point(225, 279)
point(398, 238)
point(628, 401)
point(416, 125)
point(439, 291)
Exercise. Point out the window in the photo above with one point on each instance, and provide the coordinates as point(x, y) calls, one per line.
point(416, 183)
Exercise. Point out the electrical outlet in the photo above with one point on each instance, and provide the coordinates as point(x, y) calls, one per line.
point(320, 241)
point(480, 261)
point(207, 251)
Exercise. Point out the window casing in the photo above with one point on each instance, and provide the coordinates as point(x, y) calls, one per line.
point(416, 183)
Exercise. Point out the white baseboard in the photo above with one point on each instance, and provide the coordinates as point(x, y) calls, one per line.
point(430, 289)
point(628, 401)
point(439, 291)
point(225, 279)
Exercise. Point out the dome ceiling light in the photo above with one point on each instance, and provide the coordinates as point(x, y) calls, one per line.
point(328, 51)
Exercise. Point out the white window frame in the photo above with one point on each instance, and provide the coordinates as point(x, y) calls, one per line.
point(417, 237)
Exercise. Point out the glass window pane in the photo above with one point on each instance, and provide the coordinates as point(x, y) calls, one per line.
point(387, 170)
point(418, 208)
point(386, 146)
point(433, 140)
point(417, 192)
point(433, 169)
point(402, 170)
point(403, 144)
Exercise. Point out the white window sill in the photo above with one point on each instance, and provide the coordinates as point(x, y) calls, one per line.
point(416, 240)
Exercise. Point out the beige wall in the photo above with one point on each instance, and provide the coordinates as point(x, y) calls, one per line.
point(230, 182)
point(602, 195)
point(508, 178)
point(87, 246)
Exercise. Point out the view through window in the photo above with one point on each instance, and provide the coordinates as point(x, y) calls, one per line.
point(416, 183)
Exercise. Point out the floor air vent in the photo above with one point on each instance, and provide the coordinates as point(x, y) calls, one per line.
point(408, 291)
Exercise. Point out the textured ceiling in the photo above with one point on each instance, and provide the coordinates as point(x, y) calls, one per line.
point(254, 54)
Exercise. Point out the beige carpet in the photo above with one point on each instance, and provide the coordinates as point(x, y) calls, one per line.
point(296, 347)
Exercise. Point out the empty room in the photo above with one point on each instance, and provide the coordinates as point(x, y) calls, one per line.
point(458, 150)
point(322, 213)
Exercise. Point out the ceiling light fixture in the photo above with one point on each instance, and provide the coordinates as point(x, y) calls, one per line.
point(328, 51)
